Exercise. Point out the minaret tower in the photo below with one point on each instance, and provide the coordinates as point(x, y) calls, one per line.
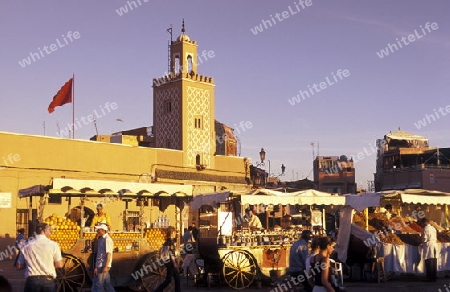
point(183, 106)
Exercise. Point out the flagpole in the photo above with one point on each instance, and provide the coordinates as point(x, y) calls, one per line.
point(73, 106)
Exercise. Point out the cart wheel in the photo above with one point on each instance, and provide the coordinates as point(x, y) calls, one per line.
point(137, 286)
point(155, 274)
point(239, 269)
point(72, 276)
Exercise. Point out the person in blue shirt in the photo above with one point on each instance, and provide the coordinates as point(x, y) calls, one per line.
point(20, 241)
point(103, 260)
point(297, 257)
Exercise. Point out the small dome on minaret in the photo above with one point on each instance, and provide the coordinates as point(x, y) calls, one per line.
point(183, 36)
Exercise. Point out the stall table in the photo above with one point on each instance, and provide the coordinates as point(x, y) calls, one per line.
point(406, 259)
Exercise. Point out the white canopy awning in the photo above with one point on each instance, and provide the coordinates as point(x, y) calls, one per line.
point(425, 199)
point(307, 197)
point(420, 196)
point(362, 201)
point(208, 199)
point(83, 187)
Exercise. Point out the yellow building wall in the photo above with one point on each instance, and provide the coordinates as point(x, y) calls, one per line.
point(27, 160)
point(198, 101)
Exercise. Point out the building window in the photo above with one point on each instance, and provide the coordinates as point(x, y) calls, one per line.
point(189, 62)
point(168, 143)
point(167, 107)
point(177, 64)
point(198, 124)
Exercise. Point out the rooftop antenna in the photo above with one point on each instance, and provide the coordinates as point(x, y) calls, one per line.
point(437, 156)
point(169, 31)
point(95, 125)
point(239, 145)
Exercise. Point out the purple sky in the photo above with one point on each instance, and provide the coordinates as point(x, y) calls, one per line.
point(256, 75)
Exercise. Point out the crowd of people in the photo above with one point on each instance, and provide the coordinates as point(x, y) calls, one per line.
point(310, 258)
point(309, 252)
point(39, 256)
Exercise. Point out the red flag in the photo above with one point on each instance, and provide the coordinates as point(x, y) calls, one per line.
point(63, 96)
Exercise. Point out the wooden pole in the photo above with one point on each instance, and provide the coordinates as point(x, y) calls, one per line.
point(73, 106)
point(324, 223)
point(446, 216)
point(366, 214)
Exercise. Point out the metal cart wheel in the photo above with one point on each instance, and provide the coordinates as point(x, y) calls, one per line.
point(137, 285)
point(155, 274)
point(239, 269)
point(72, 276)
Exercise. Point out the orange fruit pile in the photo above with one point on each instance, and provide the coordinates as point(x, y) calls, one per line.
point(64, 231)
point(155, 237)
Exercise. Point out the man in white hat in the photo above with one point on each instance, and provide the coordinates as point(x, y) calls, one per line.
point(102, 260)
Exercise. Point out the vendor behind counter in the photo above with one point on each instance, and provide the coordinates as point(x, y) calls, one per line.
point(253, 221)
point(101, 217)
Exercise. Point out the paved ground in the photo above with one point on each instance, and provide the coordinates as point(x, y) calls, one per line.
point(396, 284)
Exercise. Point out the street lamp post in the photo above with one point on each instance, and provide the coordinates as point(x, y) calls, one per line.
point(262, 157)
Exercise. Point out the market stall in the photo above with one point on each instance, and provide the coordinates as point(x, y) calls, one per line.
point(246, 253)
point(394, 233)
point(136, 239)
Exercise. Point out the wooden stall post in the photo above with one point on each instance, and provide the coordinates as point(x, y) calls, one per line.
point(366, 223)
point(324, 223)
point(178, 223)
point(31, 226)
point(82, 219)
point(446, 216)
